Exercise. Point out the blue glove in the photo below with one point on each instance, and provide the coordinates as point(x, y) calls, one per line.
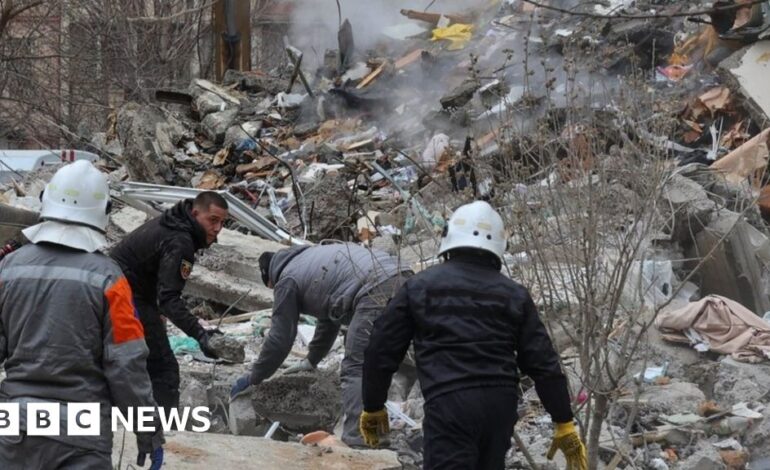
point(150, 443)
point(156, 459)
point(240, 386)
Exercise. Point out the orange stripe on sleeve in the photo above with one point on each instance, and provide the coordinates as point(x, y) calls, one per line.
point(125, 324)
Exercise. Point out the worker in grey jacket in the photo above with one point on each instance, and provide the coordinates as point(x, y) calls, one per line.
point(68, 329)
point(339, 284)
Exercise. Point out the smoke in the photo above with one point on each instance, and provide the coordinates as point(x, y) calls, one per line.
point(315, 22)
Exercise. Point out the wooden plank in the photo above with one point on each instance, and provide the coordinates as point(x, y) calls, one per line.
point(408, 59)
point(371, 77)
point(434, 18)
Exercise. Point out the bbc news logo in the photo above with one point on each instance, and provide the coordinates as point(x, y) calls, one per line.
point(84, 419)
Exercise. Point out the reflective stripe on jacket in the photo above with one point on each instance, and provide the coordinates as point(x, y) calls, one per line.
point(69, 333)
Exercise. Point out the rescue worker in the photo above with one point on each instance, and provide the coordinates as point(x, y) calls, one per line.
point(471, 327)
point(339, 284)
point(68, 329)
point(157, 259)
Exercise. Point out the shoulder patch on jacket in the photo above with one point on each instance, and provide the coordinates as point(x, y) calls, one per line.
point(185, 269)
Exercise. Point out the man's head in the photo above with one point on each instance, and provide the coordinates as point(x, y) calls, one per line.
point(209, 209)
point(264, 267)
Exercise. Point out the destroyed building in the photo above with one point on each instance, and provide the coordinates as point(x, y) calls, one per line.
point(626, 144)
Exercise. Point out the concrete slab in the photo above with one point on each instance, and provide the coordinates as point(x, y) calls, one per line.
point(192, 451)
point(749, 67)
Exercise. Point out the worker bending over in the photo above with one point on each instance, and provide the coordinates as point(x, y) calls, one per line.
point(340, 284)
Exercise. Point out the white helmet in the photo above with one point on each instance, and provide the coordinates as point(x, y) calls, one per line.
point(475, 225)
point(75, 207)
point(78, 193)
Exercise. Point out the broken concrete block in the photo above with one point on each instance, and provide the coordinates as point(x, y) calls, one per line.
point(677, 397)
point(303, 402)
point(113, 147)
point(706, 457)
point(228, 348)
point(13, 220)
point(748, 69)
point(460, 96)
point(194, 394)
point(758, 436)
point(208, 102)
point(136, 129)
point(734, 269)
point(243, 417)
point(215, 125)
point(691, 208)
point(239, 132)
point(737, 382)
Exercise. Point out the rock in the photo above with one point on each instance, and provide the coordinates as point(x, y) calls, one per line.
point(215, 125)
point(254, 82)
point(194, 394)
point(740, 382)
point(757, 438)
point(208, 102)
point(113, 147)
point(460, 96)
point(137, 131)
point(329, 207)
point(673, 398)
point(304, 130)
point(735, 459)
point(13, 220)
point(691, 206)
point(236, 133)
point(706, 457)
point(228, 348)
point(243, 417)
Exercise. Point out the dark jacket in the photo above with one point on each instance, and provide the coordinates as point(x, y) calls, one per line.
point(158, 257)
point(472, 327)
point(326, 282)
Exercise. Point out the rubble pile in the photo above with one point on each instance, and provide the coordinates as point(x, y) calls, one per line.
point(618, 138)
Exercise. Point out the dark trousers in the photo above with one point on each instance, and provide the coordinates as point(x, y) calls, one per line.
point(469, 429)
point(25, 452)
point(162, 365)
point(357, 339)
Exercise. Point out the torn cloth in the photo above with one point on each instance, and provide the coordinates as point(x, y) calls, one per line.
point(725, 325)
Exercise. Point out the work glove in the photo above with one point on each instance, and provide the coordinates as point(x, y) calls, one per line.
point(566, 439)
point(302, 366)
point(373, 425)
point(150, 443)
point(203, 342)
point(240, 387)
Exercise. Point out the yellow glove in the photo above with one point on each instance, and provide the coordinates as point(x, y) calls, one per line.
point(373, 425)
point(566, 439)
